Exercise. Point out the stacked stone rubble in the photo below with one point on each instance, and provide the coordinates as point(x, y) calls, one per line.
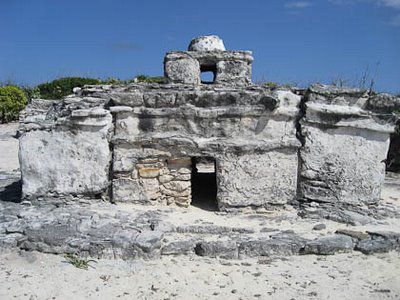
point(157, 180)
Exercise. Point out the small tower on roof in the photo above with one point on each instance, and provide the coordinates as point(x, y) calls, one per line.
point(208, 54)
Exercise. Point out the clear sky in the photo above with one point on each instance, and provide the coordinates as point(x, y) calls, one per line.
point(292, 41)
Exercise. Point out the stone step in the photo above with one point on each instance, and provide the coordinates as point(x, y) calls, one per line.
point(103, 231)
point(279, 244)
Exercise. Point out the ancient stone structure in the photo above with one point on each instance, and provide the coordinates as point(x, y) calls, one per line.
point(261, 148)
point(207, 54)
point(345, 145)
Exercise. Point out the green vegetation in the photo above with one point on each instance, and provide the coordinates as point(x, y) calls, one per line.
point(139, 78)
point(271, 85)
point(274, 85)
point(31, 92)
point(12, 101)
point(59, 88)
point(149, 79)
point(79, 262)
point(62, 87)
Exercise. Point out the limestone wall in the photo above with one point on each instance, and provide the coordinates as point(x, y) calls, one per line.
point(155, 180)
point(345, 146)
point(136, 143)
point(64, 147)
point(162, 125)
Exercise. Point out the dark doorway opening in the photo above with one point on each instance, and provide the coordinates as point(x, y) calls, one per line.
point(208, 73)
point(393, 158)
point(204, 183)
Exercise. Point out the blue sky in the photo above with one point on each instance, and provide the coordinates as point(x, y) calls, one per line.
point(292, 41)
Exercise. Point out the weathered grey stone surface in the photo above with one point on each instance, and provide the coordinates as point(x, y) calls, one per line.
point(383, 103)
point(227, 249)
point(329, 245)
point(279, 245)
point(65, 150)
point(357, 235)
point(348, 214)
point(207, 43)
point(207, 54)
point(184, 69)
point(229, 67)
point(180, 247)
point(261, 181)
point(379, 242)
point(320, 226)
point(64, 163)
point(344, 147)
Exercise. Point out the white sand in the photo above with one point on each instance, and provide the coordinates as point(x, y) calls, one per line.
point(8, 147)
point(342, 276)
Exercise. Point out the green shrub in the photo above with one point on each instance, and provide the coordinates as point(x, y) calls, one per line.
point(150, 79)
point(271, 85)
point(62, 87)
point(31, 92)
point(59, 88)
point(12, 101)
point(112, 80)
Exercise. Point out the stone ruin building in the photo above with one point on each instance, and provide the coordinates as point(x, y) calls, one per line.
point(229, 141)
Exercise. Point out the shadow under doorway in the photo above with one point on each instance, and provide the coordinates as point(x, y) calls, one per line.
point(393, 156)
point(204, 183)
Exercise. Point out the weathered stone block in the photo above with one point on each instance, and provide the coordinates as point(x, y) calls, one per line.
point(128, 190)
point(64, 162)
point(233, 72)
point(183, 177)
point(223, 249)
point(207, 43)
point(124, 159)
point(329, 245)
point(257, 180)
point(342, 165)
point(344, 147)
point(149, 172)
point(180, 163)
point(176, 194)
point(178, 186)
point(184, 171)
point(134, 98)
point(184, 70)
point(166, 178)
point(151, 187)
point(159, 99)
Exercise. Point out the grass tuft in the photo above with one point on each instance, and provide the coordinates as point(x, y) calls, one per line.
point(79, 263)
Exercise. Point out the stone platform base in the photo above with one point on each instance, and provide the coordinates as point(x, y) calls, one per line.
point(104, 230)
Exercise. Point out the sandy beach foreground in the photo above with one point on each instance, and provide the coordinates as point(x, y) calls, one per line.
point(343, 276)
